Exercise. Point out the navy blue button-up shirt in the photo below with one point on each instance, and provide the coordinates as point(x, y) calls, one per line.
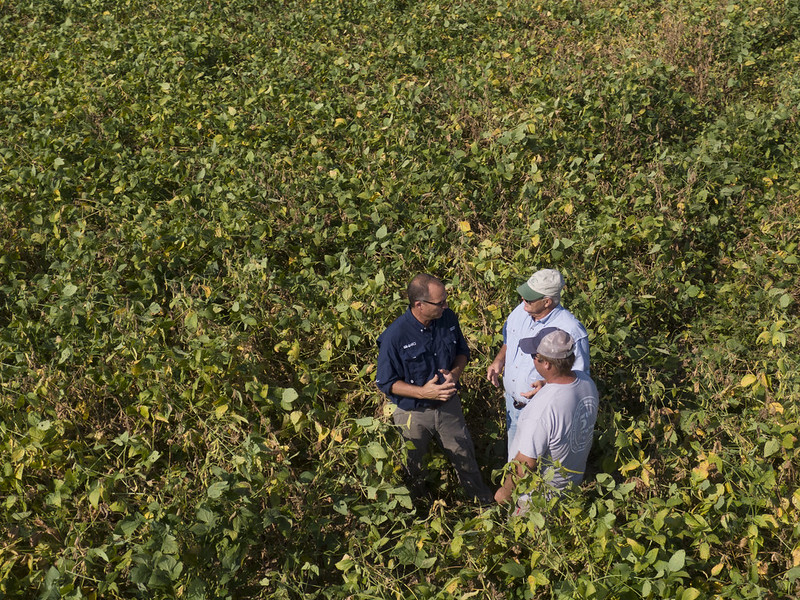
point(410, 352)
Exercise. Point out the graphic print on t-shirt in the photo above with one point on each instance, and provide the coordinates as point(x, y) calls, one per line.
point(582, 425)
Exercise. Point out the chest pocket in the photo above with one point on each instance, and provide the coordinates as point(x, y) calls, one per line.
point(446, 350)
point(418, 364)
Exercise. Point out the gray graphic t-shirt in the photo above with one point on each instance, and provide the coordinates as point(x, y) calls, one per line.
point(556, 428)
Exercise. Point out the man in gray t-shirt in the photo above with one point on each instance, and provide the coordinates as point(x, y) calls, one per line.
point(555, 429)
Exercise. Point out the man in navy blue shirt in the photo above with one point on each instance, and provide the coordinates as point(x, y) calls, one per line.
point(420, 360)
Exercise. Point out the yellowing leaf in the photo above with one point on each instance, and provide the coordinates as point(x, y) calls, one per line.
point(322, 432)
point(748, 380)
point(796, 556)
point(464, 226)
point(536, 240)
point(634, 464)
point(705, 551)
point(221, 410)
point(568, 208)
point(637, 548)
point(452, 585)
point(646, 476)
point(339, 122)
point(296, 417)
point(690, 594)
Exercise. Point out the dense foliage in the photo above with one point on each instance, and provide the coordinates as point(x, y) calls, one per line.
point(210, 211)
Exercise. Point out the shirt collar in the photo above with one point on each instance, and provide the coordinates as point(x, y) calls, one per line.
point(550, 315)
point(411, 321)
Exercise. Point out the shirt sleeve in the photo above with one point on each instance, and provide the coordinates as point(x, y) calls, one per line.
point(582, 355)
point(389, 370)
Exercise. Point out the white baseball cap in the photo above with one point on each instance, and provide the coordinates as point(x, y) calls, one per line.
point(545, 282)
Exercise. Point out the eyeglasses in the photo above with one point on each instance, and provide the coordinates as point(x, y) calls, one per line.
point(441, 304)
point(520, 405)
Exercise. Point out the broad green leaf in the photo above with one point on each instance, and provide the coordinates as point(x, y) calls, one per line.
point(288, 396)
point(345, 564)
point(190, 321)
point(376, 450)
point(456, 544)
point(771, 447)
point(514, 569)
point(539, 577)
point(215, 489)
point(94, 496)
point(678, 560)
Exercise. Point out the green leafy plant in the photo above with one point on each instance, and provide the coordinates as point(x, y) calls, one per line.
point(210, 212)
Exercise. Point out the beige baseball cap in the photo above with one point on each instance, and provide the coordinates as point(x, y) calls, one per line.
point(545, 282)
point(550, 342)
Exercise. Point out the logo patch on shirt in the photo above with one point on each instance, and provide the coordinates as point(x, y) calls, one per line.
point(412, 344)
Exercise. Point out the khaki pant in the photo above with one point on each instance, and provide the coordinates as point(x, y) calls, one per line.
point(447, 423)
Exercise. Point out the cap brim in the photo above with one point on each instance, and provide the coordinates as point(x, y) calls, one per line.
point(527, 293)
point(531, 345)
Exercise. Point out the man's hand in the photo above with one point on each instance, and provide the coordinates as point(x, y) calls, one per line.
point(493, 373)
point(521, 464)
point(535, 387)
point(440, 391)
point(496, 368)
point(448, 376)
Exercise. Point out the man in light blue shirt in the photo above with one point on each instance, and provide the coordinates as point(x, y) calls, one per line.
point(540, 307)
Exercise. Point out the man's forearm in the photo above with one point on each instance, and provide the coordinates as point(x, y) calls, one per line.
point(521, 464)
point(407, 390)
point(500, 359)
point(459, 364)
